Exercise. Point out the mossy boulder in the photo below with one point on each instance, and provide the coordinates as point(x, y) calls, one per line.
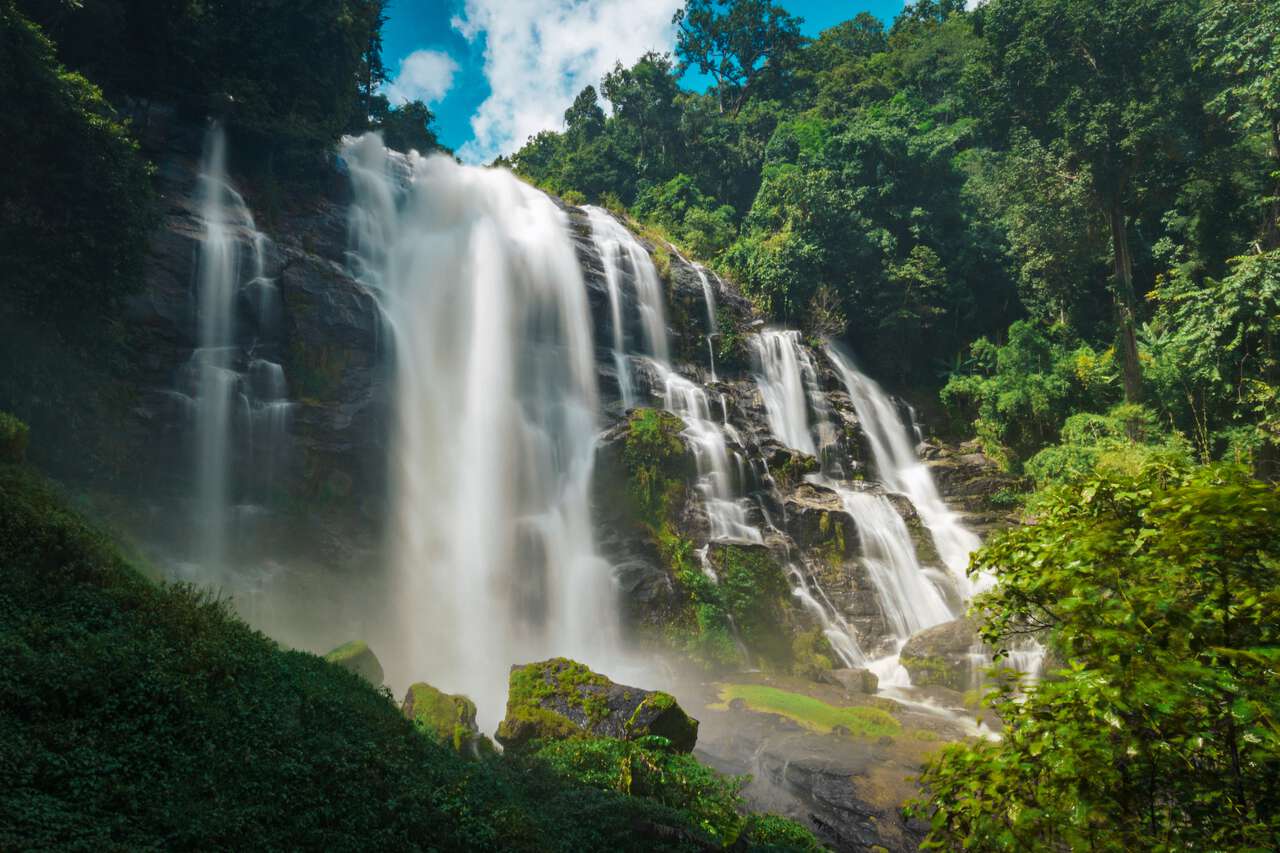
point(449, 717)
point(560, 698)
point(944, 655)
point(357, 657)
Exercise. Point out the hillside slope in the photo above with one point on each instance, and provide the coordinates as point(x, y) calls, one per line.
point(141, 716)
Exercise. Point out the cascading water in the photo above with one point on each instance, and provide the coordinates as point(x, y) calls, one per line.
point(709, 297)
point(788, 383)
point(908, 598)
point(239, 401)
point(900, 470)
point(718, 482)
point(624, 258)
point(493, 557)
point(721, 471)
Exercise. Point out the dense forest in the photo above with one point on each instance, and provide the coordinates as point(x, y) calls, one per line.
point(1053, 224)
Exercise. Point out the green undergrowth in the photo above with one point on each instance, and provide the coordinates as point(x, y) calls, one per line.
point(811, 713)
point(144, 716)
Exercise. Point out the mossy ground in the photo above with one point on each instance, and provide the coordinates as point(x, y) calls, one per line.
point(813, 714)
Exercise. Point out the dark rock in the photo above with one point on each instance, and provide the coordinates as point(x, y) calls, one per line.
point(817, 521)
point(560, 698)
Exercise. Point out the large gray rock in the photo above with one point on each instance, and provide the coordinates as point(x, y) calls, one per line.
point(945, 655)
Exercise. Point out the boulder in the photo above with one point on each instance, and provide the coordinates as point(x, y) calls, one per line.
point(945, 655)
point(816, 520)
point(447, 716)
point(357, 657)
point(856, 680)
point(560, 698)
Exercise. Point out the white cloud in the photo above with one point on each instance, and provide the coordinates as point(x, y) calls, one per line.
point(424, 75)
point(540, 53)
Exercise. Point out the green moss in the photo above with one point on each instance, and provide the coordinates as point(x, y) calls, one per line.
point(533, 683)
point(657, 701)
point(933, 671)
point(812, 713)
point(357, 657)
point(445, 716)
point(811, 654)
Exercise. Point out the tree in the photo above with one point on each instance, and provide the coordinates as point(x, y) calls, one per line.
point(584, 120)
point(408, 128)
point(1241, 41)
point(1108, 84)
point(735, 41)
point(643, 99)
point(1159, 587)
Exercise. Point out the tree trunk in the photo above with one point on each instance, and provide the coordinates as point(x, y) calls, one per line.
point(1125, 299)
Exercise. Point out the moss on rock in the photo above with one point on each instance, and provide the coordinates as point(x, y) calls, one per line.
point(449, 717)
point(560, 698)
point(357, 657)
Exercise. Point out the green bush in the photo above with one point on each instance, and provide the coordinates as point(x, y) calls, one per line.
point(1161, 589)
point(1018, 395)
point(649, 768)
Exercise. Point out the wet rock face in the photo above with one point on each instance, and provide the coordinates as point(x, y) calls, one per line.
point(318, 323)
point(560, 698)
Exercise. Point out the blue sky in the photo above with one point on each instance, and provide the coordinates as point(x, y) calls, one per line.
point(496, 71)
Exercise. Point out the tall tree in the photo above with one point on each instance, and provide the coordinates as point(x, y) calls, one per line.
point(735, 41)
point(1241, 40)
point(1107, 84)
point(643, 98)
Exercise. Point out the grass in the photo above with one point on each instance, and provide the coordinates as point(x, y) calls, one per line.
point(813, 714)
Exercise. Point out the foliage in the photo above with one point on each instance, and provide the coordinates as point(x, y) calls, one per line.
point(406, 127)
point(1020, 394)
point(1159, 587)
point(257, 61)
point(738, 46)
point(1214, 362)
point(1125, 438)
point(77, 193)
point(153, 718)
point(813, 713)
point(649, 768)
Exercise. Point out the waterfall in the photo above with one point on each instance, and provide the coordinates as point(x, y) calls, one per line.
point(907, 596)
point(788, 384)
point(239, 400)
point(709, 298)
point(721, 471)
point(900, 470)
point(622, 254)
point(839, 633)
point(493, 559)
point(718, 481)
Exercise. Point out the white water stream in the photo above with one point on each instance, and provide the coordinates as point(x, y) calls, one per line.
point(238, 401)
point(493, 557)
